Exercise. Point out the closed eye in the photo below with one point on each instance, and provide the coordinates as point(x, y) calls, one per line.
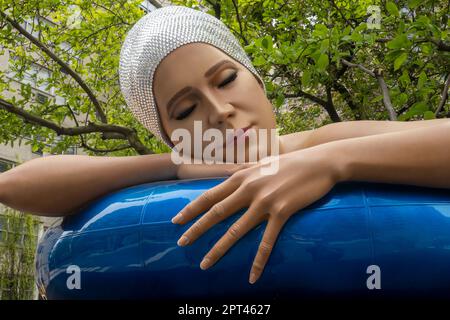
point(185, 113)
point(228, 80)
point(189, 110)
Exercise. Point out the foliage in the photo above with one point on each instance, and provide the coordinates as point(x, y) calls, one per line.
point(17, 252)
point(299, 47)
point(80, 38)
point(325, 54)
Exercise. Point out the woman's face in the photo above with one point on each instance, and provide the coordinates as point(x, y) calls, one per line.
point(198, 82)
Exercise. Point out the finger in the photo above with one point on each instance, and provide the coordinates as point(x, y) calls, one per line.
point(218, 212)
point(205, 201)
point(238, 229)
point(265, 248)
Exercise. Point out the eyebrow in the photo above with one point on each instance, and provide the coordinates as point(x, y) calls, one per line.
point(189, 88)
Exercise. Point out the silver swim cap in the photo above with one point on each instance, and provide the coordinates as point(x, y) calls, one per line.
point(151, 39)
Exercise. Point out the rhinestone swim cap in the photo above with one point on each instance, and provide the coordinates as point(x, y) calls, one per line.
point(151, 39)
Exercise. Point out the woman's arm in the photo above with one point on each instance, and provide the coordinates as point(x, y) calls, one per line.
point(361, 128)
point(419, 156)
point(58, 185)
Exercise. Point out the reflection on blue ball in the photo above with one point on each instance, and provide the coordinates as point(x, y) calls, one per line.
point(123, 245)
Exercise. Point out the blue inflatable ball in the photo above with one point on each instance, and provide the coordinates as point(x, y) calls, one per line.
point(359, 239)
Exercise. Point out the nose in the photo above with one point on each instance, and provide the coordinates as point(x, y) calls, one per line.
point(218, 110)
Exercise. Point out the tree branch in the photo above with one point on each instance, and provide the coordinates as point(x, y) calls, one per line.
point(216, 7)
point(330, 106)
point(126, 133)
point(239, 21)
point(110, 11)
point(441, 45)
point(84, 145)
point(359, 66)
point(444, 96)
point(377, 74)
point(309, 96)
point(84, 39)
point(343, 91)
point(342, 14)
point(407, 105)
point(63, 65)
point(386, 97)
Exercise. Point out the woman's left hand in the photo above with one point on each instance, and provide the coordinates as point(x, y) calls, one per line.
point(302, 177)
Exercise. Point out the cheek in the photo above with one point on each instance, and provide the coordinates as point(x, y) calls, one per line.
point(249, 84)
point(247, 92)
point(254, 98)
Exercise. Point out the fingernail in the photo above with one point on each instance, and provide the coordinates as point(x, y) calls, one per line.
point(183, 241)
point(177, 218)
point(205, 263)
point(252, 278)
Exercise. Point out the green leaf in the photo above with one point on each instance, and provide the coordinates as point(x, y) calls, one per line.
point(401, 99)
point(320, 31)
point(324, 45)
point(306, 78)
point(346, 38)
point(399, 42)
point(419, 107)
point(429, 115)
point(412, 4)
point(404, 79)
point(357, 37)
point(400, 60)
point(278, 54)
point(322, 62)
point(267, 42)
point(376, 99)
point(269, 86)
point(392, 9)
point(361, 27)
point(279, 100)
point(424, 20)
point(346, 31)
point(426, 48)
point(422, 80)
point(259, 61)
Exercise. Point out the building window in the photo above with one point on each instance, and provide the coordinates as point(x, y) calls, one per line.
point(41, 98)
point(36, 76)
point(31, 27)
